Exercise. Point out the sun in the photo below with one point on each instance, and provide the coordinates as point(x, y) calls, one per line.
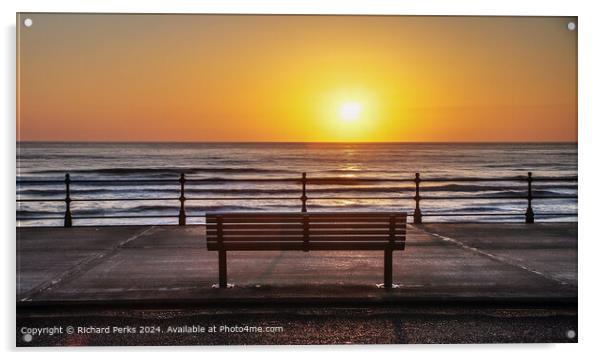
point(350, 111)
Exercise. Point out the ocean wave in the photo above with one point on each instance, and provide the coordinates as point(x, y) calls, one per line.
point(41, 192)
point(464, 209)
point(161, 170)
point(161, 210)
point(149, 192)
point(192, 210)
point(38, 213)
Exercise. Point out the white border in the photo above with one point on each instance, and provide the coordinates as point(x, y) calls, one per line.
point(590, 117)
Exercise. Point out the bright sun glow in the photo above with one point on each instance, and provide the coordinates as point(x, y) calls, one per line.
point(350, 111)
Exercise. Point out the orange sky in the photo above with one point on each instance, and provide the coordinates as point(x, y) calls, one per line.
point(285, 78)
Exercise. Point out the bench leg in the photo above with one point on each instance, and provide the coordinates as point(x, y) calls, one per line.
point(223, 270)
point(388, 269)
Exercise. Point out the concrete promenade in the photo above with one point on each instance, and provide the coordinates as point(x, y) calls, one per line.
point(442, 262)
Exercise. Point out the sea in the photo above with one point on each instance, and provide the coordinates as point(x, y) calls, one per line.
point(267, 177)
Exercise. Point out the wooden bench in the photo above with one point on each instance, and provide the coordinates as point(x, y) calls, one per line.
point(384, 231)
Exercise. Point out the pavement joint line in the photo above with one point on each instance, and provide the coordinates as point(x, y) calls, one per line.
point(82, 266)
point(270, 267)
point(498, 258)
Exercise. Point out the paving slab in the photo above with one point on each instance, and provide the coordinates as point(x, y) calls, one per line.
point(46, 254)
point(549, 249)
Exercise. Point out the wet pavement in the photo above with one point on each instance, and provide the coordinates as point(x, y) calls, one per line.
point(153, 285)
point(480, 262)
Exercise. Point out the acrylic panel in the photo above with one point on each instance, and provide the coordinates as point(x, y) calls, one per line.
point(197, 179)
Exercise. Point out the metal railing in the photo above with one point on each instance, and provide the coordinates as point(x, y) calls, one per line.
point(303, 181)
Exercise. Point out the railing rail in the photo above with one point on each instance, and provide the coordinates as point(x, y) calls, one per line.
point(304, 181)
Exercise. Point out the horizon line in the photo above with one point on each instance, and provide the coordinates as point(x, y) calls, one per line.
point(294, 142)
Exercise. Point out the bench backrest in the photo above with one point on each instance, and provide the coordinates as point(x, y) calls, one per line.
point(306, 231)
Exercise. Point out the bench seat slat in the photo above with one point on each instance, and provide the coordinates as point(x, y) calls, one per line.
point(297, 214)
point(225, 226)
point(268, 246)
point(312, 232)
point(336, 225)
point(299, 221)
point(312, 238)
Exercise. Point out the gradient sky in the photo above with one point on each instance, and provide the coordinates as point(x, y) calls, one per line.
point(285, 78)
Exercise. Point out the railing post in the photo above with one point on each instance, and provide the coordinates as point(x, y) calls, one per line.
point(417, 212)
point(304, 193)
point(68, 217)
point(182, 214)
point(529, 215)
